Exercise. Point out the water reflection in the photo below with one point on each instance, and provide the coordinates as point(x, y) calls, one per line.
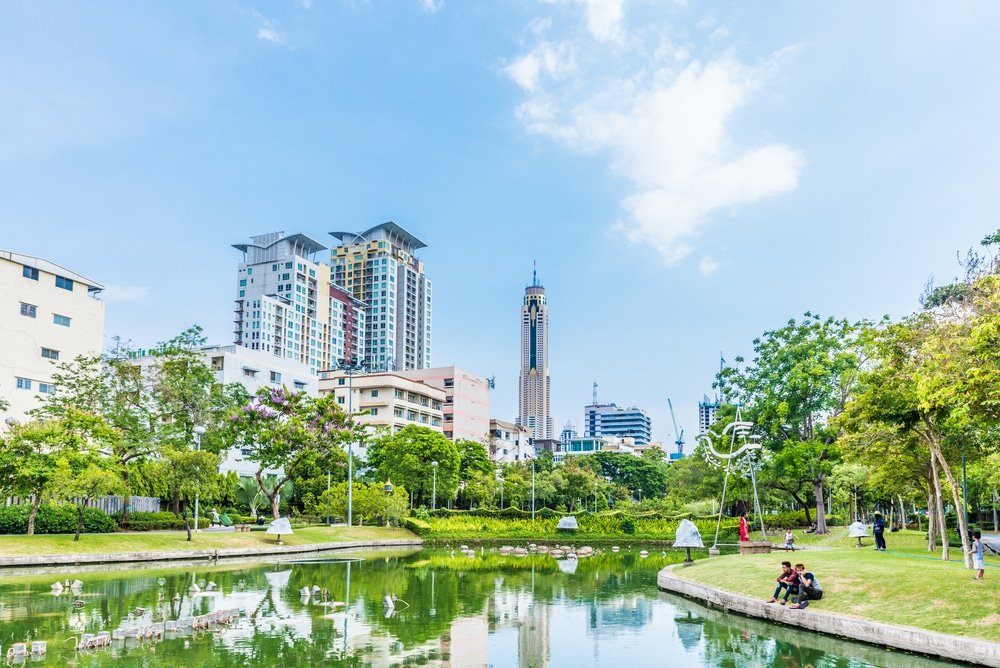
point(443, 610)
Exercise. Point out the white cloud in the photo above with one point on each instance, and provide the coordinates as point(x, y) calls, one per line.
point(270, 35)
point(663, 116)
point(120, 294)
point(707, 265)
point(307, 4)
point(431, 6)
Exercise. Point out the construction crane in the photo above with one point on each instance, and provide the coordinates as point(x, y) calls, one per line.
point(680, 433)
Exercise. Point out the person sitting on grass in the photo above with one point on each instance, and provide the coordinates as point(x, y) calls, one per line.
point(809, 589)
point(787, 580)
point(789, 540)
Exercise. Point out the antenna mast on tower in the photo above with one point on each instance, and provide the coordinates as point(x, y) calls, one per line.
point(595, 392)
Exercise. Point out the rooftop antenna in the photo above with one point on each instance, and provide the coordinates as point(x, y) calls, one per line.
point(722, 365)
point(595, 392)
point(492, 382)
point(534, 273)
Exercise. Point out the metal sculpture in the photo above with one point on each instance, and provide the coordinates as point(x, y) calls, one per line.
point(743, 455)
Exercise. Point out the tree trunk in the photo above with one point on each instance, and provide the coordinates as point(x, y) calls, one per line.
point(187, 525)
point(272, 495)
point(177, 502)
point(902, 512)
point(820, 508)
point(939, 508)
point(805, 507)
point(996, 502)
point(79, 519)
point(127, 495)
point(36, 500)
point(959, 507)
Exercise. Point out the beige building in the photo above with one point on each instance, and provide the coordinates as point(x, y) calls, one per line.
point(48, 315)
point(385, 399)
point(466, 402)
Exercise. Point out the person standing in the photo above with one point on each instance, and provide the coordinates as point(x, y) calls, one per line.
point(744, 528)
point(878, 528)
point(977, 555)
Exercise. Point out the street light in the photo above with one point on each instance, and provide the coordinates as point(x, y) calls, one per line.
point(198, 432)
point(434, 489)
point(350, 367)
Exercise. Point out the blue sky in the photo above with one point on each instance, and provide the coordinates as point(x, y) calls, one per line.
point(687, 176)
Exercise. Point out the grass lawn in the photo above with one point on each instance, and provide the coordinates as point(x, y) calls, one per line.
point(906, 585)
point(177, 540)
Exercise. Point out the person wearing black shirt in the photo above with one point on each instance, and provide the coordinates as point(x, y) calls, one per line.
point(878, 528)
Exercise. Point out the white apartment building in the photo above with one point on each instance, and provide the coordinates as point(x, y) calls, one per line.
point(509, 442)
point(385, 399)
point(466, 402)
point(379, 268)
point(48, 315)
point(288, 307)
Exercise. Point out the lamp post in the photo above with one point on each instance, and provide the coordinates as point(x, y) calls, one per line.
point(434, 488)
point(198, 433)
point(328, 497)
point(350, 367)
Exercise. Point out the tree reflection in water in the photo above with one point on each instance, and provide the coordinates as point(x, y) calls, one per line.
point(500, 610)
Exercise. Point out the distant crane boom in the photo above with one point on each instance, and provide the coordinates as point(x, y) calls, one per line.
point(680, 432)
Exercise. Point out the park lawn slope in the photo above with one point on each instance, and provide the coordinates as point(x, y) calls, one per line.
point(903, 587)
point(176, 541)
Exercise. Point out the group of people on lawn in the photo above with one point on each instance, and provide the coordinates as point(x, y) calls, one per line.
point(797, 581)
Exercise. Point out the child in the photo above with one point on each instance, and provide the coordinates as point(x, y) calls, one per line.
point(789, 540)
point(977, 554)
point(787, 580)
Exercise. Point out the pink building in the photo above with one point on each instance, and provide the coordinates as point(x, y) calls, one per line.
point(466, 404)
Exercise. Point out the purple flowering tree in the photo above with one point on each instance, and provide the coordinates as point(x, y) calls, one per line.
point(278, 427)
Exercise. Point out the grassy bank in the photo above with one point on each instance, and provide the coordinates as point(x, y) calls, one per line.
point(905, 585)
point(175, 541)
point(602, 527)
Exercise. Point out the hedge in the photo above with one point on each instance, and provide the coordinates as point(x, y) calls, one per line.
point(54, 519)
point(159, 521)
point(418, 527)
point(795, 519)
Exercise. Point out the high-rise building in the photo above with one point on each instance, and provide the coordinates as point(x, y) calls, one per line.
point(288, 306)
point(48, 315)
point(707, 410)
point(378, 267)
point(610, 420)
point(533, 383)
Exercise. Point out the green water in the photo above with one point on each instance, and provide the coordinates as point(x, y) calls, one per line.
point(452, 610)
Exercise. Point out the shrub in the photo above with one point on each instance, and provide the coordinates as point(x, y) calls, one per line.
point(54, 519)
point(417, 526)
point(159, 521)
point(627, 525)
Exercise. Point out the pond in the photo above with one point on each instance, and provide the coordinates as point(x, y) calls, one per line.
point(451, 609)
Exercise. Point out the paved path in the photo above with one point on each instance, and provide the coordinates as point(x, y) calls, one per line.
point(992, 540)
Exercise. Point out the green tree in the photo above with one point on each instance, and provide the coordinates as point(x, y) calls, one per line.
point(190, 473)
point(279, 428)
point(472, 457)
point(646, 476)
point(83, 477)
point(801, 375)
point(405, 459)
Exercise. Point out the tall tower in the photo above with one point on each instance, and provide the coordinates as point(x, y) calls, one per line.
point(378, 267)
point(533, 384)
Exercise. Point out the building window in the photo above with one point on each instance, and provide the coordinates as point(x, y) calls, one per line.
point(50, 354)
point(28, 310)
point(60, 319)
point(24, 383)
point(299, 385)
point(341, 381)
point(374, 411)
point(275, 377)
point(249, 373)
point(374, 394)
point(46, 388)
point(340, 400)
point(29, 272)
point(64, 283)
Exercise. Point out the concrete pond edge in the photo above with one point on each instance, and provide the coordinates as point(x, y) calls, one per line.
point(195, 555)
point(908, 638)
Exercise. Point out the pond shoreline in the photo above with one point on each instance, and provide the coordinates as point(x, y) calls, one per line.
point(907, 638)
point(25, 561)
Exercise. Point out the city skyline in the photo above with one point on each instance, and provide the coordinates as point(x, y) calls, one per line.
point(687, 177)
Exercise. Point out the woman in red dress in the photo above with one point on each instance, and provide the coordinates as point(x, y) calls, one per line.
point(744, 529)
